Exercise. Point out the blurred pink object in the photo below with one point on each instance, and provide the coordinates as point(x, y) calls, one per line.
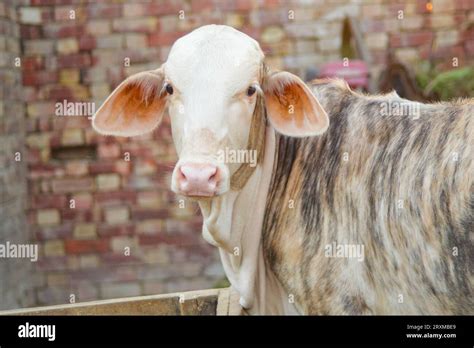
point(355, 72)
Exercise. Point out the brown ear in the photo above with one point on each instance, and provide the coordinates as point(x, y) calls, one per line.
point(135, 107)
point(292, 108)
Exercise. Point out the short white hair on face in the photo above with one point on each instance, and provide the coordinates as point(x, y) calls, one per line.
point(214, 52)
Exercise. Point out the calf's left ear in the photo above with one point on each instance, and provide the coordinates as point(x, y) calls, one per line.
point(292, 108)
point(135, 107)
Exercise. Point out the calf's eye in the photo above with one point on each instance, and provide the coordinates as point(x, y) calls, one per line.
point(251, 91)
point(169, 89)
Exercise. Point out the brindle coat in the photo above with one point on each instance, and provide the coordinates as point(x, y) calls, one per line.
point(402, 186)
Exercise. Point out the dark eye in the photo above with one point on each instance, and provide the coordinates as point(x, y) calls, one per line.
point(169, 89)
point(251, 91)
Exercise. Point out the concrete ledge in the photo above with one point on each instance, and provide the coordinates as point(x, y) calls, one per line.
point(201, 302)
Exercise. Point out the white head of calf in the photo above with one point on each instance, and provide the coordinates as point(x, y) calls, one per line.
point(210, 84)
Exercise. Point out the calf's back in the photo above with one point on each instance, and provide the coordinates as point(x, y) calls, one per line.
point(392, 176)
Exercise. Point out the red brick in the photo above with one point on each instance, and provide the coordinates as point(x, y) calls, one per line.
point(101, 167)
point(42, 2)
point(86, 246)
point(411, 39)
point(165, 7)
point(464, 4)
point(77, 215)
point(36, 78)
point(32, 63)
point(43, 170)
point(48, 201)
point(119, 230)
point(30, 32)
point(144, 213)
point(271, 3)
point(55, 139)
point(79, 60)
point(56, 92)
point(202, 5)
point(87, 43)
point(460, 17)
point(164, 39)
point(251, 31)
point(116, 197)
point(47, 15)
point(50, 2)
point(33, 156)
point(62, 30)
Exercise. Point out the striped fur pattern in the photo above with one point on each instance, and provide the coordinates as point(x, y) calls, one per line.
point(401, 185)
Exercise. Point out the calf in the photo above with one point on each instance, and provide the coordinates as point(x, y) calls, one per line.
point(367, 210)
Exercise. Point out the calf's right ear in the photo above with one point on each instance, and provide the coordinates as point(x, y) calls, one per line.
point(135, 107)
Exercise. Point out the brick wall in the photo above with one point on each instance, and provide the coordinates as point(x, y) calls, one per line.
point(16, 281)
point(100, 207)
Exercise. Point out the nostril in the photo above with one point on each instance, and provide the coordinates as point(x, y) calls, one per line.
point(182, 179)
point(212, 181)
point(213, 174)
point(182, 174)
